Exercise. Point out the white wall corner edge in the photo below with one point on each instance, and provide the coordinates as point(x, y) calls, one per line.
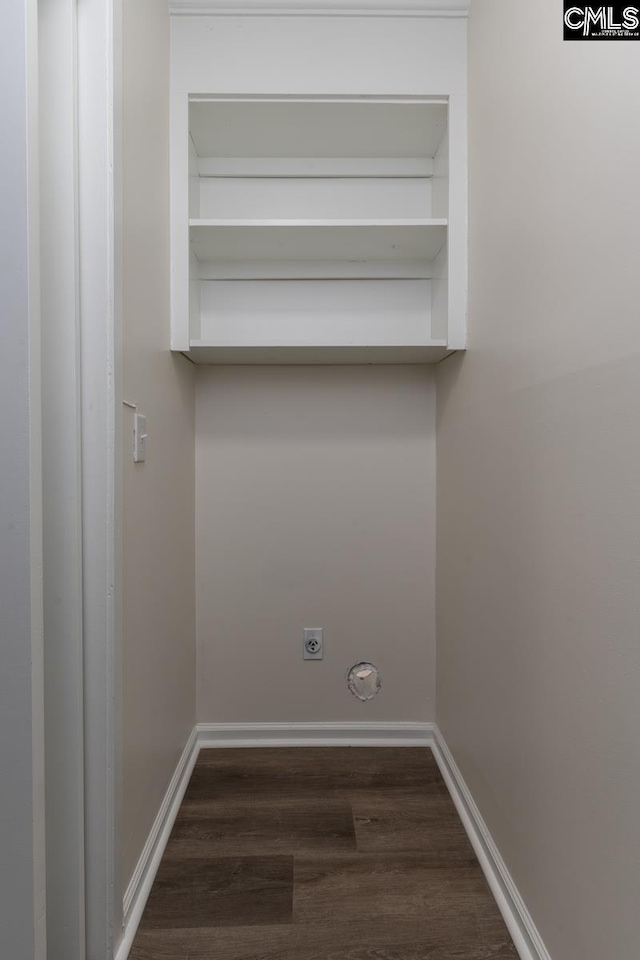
point(515, 914)
point(518, 920)
point(327, 8)
point(139, 887)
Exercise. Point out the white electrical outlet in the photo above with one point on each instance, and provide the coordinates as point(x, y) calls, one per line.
point(313, 644)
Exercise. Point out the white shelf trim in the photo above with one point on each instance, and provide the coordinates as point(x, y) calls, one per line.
point(201, 351)
point(293, 344)
point(369, 98)
point(319, 223)
point(252, 270)
point(323, 8)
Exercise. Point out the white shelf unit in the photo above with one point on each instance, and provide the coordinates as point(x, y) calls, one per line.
point(310, 230)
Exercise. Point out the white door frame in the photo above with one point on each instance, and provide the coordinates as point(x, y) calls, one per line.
point(22, 855)
point(81, 547)
point(99, 193)
point(61, 479)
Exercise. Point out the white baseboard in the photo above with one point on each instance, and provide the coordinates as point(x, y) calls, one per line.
point(407, 734)
point(137, 892)
point(519, 922)
point(524, 933)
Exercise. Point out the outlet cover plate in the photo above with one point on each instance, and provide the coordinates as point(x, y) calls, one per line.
point(313, 643)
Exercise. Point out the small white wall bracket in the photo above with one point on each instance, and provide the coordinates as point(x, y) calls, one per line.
point(139, 438)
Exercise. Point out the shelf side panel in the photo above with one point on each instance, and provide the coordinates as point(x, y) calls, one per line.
point(194, 182)
point(179, 159)
point(195, 328)
point(440, 182)
point(440, 296)
point(457, 236)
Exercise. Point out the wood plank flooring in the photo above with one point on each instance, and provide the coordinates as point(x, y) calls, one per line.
point(323, 853)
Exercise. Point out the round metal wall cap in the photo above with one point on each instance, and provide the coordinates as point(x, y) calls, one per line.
point(364, 680)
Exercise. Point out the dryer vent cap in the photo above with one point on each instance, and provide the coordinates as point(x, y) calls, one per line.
point(364, 681)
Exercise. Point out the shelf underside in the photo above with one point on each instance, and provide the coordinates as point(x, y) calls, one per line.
point(292, 128)
point(318, 240)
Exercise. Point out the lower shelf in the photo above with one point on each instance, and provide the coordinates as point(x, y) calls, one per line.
point(316, 313)
point(202, 351)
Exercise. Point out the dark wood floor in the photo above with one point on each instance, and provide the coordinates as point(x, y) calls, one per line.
point(320, 854)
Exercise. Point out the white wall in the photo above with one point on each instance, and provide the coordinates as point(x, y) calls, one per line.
point(539, 476)
point(315, 493)
point(158, 548)
point(22, 862)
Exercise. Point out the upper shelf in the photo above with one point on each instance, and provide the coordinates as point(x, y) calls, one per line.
point(233, 240)
point(316, 129)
